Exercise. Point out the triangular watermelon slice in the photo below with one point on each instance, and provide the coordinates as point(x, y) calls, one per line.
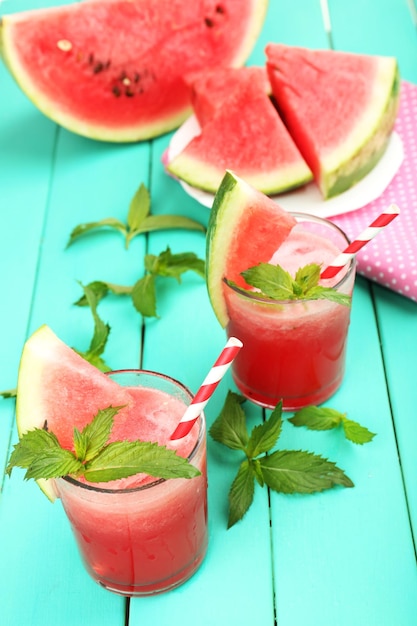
point(245, 228)
point(60, 390)
point(112, 70)
point(339, 107)
point(245, 135)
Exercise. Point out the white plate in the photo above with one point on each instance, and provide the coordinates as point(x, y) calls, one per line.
point(307, 199)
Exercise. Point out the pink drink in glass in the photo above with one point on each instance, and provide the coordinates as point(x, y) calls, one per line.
point(139, 535)
point(293, 351)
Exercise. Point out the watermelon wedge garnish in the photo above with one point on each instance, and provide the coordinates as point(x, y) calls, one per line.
point(112, 70)
point(339, 107)
point(59, 389)
point(242, 133)
point(245, 228)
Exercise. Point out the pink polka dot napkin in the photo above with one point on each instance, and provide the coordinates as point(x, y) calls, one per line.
point(391, 258)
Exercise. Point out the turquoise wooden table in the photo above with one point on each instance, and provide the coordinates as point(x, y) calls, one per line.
point(342, 558)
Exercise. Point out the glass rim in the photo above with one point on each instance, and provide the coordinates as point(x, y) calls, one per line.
point(157, 481)
point(255, 297)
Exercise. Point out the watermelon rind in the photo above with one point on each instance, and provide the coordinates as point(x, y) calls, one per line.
point(206, 176)
point(29, 413)
point(364, 147)
point(242, 219)
point(223, 223)
point(100, 121)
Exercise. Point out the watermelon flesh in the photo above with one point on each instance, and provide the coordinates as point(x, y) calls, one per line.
point(112, 70)
point(339, 107)
point(245, 228)
point(59, 389)
point(210, 90)
point(244, 134)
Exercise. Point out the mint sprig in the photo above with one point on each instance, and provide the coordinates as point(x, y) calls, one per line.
point(139, 221)
point(8, 393)
point(275, 283)
point(143, 291)
point(100, 336)
point(40, 453)
point(284, 471)
point(323, 418)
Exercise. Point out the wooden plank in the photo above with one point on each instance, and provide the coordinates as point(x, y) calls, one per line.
point(397, 319)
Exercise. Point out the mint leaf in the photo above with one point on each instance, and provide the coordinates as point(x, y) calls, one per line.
point(169, 222)
point(241, 493)
point(121, 459)
point(139, 209)
point(100, 289)
point(356, 433)
point(323, 418)
point(296, 471)
point(144, 296)
point(39, 452)
point(53, 463)
point(26, 451)
point(83, 229)
point(174, 265)
point(272, 280)
point(317, 418)
point(139, 220)
point(8, 393)
point(308, 277)
point(327, 293)
point(275, 283)
point(265, 436)
point(100, 336)
point(230, 426)
point(95, 434)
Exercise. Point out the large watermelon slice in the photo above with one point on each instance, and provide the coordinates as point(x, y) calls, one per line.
point(245, 228)
point(58, 387)
point(339, 107)
point(244, 134)
point(112, 70)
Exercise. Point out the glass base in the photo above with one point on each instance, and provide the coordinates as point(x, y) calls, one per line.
point(134, 591)
point(291, 403)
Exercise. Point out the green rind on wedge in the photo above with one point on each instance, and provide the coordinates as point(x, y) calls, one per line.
point(206, 176)
point(28, 413)
point(224, 222)
point(368, 154)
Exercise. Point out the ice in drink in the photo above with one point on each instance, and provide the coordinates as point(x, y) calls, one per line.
point(293, 351)
point(141, 536)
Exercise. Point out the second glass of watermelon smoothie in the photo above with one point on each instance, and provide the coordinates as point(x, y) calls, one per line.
point(140, 535)
point(293, 351)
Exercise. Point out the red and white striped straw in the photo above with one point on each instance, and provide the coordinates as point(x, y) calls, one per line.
point(353, 248)
point(208, 387)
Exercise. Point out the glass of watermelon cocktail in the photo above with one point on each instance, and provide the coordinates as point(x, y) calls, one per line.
point(293, 350)
point(140, 535)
